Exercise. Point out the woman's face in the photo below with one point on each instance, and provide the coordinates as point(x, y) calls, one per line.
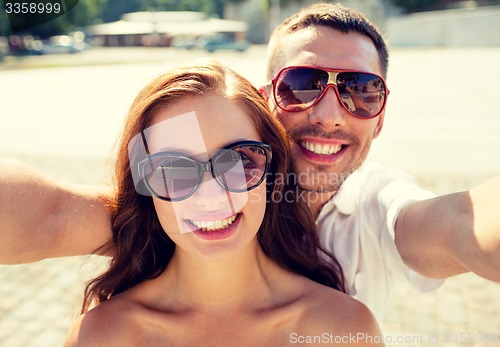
point(212, 223)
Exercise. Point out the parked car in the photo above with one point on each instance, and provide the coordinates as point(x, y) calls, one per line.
point(62, 44)
point(217, 42)
point(184, 42)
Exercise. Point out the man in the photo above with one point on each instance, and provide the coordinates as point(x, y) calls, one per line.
point(327, 65)
point(362, 209)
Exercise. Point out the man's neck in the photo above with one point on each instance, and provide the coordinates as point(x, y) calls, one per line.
point(316, 200)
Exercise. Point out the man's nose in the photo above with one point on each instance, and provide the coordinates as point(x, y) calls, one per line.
point(328, 112)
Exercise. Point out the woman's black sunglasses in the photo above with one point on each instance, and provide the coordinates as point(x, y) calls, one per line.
point(238, 167)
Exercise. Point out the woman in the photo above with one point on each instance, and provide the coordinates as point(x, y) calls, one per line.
point(214, 258)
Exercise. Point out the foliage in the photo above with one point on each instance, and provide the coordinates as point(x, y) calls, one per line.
point(4, 23)
point(282, 3)
point(115, 8)
point(424, 5)
point(86, 12)
point(213, 7)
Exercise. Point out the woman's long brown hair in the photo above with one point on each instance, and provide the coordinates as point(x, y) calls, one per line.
point(142, 249)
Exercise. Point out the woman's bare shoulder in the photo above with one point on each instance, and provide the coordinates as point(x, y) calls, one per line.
point(108, 324)
point(339, 318)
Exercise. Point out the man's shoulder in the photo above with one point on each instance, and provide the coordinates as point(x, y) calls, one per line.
point(365, 184)
point(375, 174)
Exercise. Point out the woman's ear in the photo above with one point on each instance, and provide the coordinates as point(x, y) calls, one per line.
point(264, 93)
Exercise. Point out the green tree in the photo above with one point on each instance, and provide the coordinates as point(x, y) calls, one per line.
point(4, 24)
point(218, 6)
point(114, 9)
point(282, 3)
point(211, 7)
point(423, 5)
point(86, 12)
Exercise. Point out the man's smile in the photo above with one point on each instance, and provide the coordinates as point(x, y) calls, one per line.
point(320, 148)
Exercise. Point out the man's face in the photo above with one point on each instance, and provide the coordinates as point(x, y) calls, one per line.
point(328, 143)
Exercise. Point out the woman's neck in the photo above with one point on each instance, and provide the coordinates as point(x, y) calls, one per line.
point(243, 280)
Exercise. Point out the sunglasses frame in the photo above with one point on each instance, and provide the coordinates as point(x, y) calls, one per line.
point(332, 79)
point(203, 166)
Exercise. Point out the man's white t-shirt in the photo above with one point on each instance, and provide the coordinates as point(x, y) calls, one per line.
point(357, 226)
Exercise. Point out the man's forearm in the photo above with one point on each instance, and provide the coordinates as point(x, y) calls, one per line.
point(41, 219)
point(454, 233)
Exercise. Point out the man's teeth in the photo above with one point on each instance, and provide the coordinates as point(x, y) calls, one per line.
point(321, 149)
point(214, 224)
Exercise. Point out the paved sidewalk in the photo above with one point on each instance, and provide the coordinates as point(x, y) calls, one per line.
point(39, 301)
point(465, 311)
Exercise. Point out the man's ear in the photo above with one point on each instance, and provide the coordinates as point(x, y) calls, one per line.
point(380, 124)
point(264, 93)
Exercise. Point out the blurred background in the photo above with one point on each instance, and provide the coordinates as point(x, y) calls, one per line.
point(66, 85)
point(73, 26)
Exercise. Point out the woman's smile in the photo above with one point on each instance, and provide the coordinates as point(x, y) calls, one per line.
point(213, 224)
point(217, 229)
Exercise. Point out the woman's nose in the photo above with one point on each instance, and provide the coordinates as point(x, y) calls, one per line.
point(209, 192)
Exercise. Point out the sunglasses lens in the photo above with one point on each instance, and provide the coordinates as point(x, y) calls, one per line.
point(241, 168)
point(171, 177)
point(362, 94)
point(296, 89)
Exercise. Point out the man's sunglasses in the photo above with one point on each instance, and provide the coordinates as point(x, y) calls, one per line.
point(298, 88)
point(239, 167)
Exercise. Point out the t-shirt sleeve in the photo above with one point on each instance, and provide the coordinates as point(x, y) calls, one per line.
point(393, 197)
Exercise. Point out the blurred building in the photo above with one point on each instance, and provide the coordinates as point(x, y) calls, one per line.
point(262, 20)
point(470, 23)
point(254, 21)
point(464, 27)
point(160, 28)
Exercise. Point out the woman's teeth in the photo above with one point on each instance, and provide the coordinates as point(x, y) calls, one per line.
point(214, 224)
point(321, 149)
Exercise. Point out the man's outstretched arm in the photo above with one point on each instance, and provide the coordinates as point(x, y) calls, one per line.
point(40, 218)
point(454, 233)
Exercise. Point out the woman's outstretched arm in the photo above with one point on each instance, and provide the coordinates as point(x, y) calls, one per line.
point(41, 218)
